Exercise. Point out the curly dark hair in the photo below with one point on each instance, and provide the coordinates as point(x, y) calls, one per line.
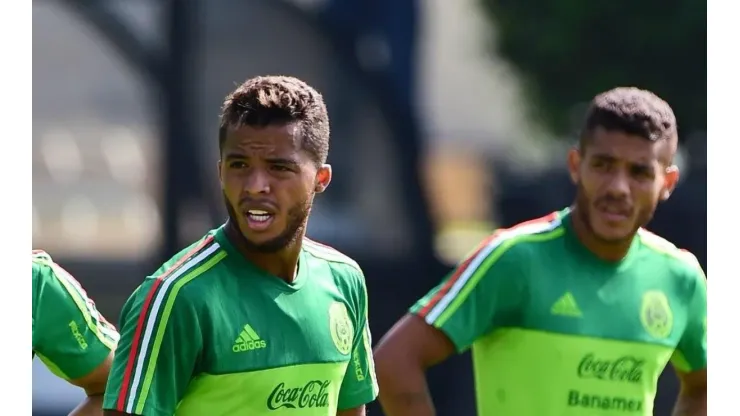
point(632, 111)
point(278, 100)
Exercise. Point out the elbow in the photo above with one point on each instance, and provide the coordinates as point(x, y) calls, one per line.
point(692, 398)
point(697, 394)
point(383, 358)
point(395, 363)
point(693, 384)
point(387, 362)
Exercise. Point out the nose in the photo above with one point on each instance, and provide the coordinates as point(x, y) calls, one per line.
point(257, 182)
point(618, 185)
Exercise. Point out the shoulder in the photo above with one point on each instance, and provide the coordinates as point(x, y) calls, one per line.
point(183, 276)
point(337, 260)
point(40, 257)
point(682, 264)
point(662, 249)
point(41, 263)
point(48, 273)
point(344, 272)
point(520, 242)
point(343, 268)
point(190, 259)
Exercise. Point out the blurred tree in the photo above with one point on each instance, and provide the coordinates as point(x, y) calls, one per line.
point(569, 50)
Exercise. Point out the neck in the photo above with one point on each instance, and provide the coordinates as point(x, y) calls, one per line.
point(611, 251)
point(282, 264)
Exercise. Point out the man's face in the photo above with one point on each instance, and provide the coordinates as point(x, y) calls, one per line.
point(269, 183)
point(620, 179)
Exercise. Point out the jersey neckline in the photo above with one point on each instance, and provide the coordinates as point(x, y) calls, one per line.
point(239, 258)
point(566, 217)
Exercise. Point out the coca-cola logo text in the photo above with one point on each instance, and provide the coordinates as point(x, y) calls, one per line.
point(311, 395)
point(625, 368)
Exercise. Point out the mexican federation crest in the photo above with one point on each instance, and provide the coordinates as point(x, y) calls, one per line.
point(340, 327)
point(656, 315)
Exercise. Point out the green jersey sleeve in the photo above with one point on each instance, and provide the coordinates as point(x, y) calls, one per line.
point(158, 351)
point(69, 335)
point(360, 385)
point(481, 294)
point(691, 353)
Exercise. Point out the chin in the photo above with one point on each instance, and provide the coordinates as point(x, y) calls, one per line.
point(612, 235)
point(268, 241)
point(262, 239)
point(266, 246)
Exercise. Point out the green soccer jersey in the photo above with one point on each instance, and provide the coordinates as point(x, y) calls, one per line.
point(556, 331)
point(211, 334)
point(69, 335)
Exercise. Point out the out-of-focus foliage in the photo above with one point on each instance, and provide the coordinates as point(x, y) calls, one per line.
point(569, 50)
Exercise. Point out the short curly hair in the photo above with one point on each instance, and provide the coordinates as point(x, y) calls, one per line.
point(632, 111)
point(278, 100)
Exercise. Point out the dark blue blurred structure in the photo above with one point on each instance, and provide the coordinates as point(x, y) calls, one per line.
point(372, 48)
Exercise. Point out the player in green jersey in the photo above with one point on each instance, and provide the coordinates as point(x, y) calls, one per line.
point(579, 312)
point(254, 319)
point(70, 336)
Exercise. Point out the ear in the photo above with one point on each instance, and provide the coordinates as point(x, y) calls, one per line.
point(574, 164)
point(323, 178)
point(672, 175)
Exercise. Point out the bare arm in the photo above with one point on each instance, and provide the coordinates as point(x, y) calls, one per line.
point(692, 399)
point(94, 385)
point(402, 358)
point(357, 411)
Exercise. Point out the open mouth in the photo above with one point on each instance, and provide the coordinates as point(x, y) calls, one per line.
point(613, 214)
point(259, 220)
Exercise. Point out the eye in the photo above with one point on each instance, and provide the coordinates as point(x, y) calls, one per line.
point(600, 164)
point(237, 165)
point(281, 168)
point(642, 172)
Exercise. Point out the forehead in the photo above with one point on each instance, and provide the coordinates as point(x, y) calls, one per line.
point(263, 141)
point(625, 147)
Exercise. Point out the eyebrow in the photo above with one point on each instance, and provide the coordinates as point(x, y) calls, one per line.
point(231, 156)
point(609, 158)
point(281, 161)
point(640, 165)
point(272, 160)
point(604, 156)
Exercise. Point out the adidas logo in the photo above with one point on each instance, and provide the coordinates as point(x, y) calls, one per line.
point(248, 340)
point(566, 306)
